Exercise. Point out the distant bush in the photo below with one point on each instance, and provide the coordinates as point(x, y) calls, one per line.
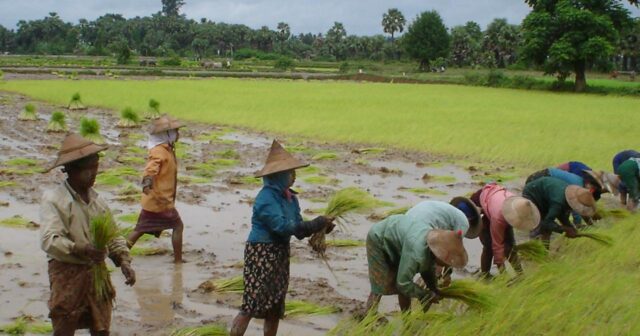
point(247, 53)
point(172, 61)
point(284, 63)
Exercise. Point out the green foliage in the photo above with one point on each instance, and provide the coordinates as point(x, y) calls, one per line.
point(284, 63)
point(29, 112)
point(203, 330)
point(393, 21)
point(8, 184)
point(172, 61)
point(90, 130)
point(154, 109)
point(115, 176)
point(58, 122)
point(129, 118)
point(427, 39)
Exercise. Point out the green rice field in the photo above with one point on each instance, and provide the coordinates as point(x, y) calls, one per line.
point(492, 125)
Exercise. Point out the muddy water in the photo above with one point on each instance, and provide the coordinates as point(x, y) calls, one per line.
point(217, 221)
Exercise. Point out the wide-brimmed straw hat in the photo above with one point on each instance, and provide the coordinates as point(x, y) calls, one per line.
point(474, 226)
point(75, 147)
point(580, 200)
point(447, 246)
point(596, 177)
point(164, 124)
point(279, 160)
point(611, 182)
point(521, 213)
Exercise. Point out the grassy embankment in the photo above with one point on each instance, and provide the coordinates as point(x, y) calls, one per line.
point(532, 129)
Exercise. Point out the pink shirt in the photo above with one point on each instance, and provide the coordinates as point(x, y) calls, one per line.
point(491, 198)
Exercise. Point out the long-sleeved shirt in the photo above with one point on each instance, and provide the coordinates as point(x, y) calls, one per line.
point(491, 200)
point(629, 172)
point(65, 219)
point(571, 179)
point(547, 193)
point(404, 240)
point(622, 157)
point(162, 166)
point(575, 167)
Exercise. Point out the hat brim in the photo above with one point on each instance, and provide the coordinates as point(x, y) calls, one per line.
point(571, 194)
point(278, 167)
point(447, 246)
point(596, 178)
point(513, 217)
point(474, 227)
point(74, 155)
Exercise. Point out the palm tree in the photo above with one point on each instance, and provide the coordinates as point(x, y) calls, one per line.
point(393, 21)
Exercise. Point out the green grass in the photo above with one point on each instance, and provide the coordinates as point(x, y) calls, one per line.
point(131, 218)
point(148, 251)
point(325, 156)
point(17, 222)
point(299, 308)
point(136, 150)
point(22, 162)
point(26, 324)
point(203, 330)
point(116, 176)
point(425, 191)
point(443, 119)
point(7, 184)
point(318, 179)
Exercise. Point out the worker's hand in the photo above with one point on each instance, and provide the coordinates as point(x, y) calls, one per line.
point(146, 190)
point(434, 296)
point(90, 252)
point(329, 224)
point(128, 272)
point(570, 231)
point(147, 183)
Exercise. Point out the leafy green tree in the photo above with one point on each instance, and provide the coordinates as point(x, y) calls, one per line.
point(426, 39)
point(172, 7)
point(393, 21)
point(200, 46)
point(335, 41)
point(7, 39)
point(501, 41)
point(565, 36)
point(466, 43)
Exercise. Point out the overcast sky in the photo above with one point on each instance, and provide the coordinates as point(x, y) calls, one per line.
point(360, 17)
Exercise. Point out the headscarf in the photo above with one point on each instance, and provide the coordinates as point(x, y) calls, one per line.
point(466, 209)
point(168, 137)
point(280, 182)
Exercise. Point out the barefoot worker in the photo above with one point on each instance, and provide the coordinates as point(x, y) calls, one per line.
point(159, 185)
point(555, 199)
point(65, 214)
point(276, 217)
point(629, 175)
point(502, 211)
point(402, 246)
point(614, 181)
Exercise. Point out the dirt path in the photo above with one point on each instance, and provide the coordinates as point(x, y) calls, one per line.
point(214, 199)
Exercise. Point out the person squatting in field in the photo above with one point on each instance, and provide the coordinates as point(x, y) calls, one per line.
point(402, 246)
point(625, 173)
point(276, 217)
point(502, 211)
point(159, 186)
point(65, 214)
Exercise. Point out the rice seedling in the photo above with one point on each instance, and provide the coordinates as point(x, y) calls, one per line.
point(154, 109)
point(599, 238)
point(128, 118)
point(28, 113)
point(438, 179)
point(342, 203)
point(22, 162)
point(618, 213)
point(136, 160)
point(115, 177)
point(8, 184)
point(131, 218)
point(90, 130)
point(18, 221)
point(324, 156)
point(345, 243)
point(361, 162)
point(425, 191)
point(103, 230)
point(204, 330)
point(533, 250)
point(184, 179)
point(148, 251)
point(320, 180)
point(297, 308)
point(76, 102)
point(471, 293)
point(135, 149)
point(18, 327)
point(370, 150)
point(310, 170)
point(225, 285)
point(385, 214)
point(58, 122)
point(228, 154)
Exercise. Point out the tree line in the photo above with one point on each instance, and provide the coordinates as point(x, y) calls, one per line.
point(561, 37)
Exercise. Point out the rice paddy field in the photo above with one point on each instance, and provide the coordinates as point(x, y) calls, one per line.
point(492, 125)
point(581, 287)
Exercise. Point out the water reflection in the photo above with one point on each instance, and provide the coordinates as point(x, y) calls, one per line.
point(159, 294)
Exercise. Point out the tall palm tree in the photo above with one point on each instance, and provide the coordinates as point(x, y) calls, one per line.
point(393, 21)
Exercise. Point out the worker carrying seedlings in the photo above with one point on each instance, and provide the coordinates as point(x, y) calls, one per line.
point(159, 186)
point(276, 217)
point(555, 199)
point(66, 213)
point(401, 246)
point(502, 211)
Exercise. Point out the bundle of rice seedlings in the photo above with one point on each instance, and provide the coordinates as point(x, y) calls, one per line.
point(226, 285)
point(128, 118)
point(204, 330)
point(58, 122)
point(18, 327)
point(18, 221)
point(533, 250)
point(345, 243)
point(296, 308)
point(147, 251)
point(154, 109)
point(397, 211)
point(343, 202)
point(90, 129)
point(26, 324)
point(103, 229)
point(600, 238)
point(471, 293)
point(76, 102)
point(29, 113)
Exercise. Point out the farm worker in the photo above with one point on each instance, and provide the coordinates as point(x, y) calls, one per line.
point(629, 175)
point(401, 246)
point(502, 211)
point(65, 214)
point(276, 217)
point(575, 167)
point(159, 187)
point(554, 199)
point(592, 181)
point(618, 159)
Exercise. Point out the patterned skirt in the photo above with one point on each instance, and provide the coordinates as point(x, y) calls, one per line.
point(266, 279)
point(382, 274)
point(155, 222)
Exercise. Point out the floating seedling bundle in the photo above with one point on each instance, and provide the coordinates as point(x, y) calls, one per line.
point(58, 122)
point(129, 118)
point(28, 113)
point(154, 109)
point(90, 130)
point(76, 102)
point(226, 285)
point(103, 230)
point(345, 201)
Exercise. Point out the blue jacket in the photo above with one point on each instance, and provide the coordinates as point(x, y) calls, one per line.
point(274, 217)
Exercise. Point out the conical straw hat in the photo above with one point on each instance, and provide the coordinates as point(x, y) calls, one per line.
point(75, 147)
point(474, 227)
point(611, 182)
point(598, 178)
point(580, 200)
point(447, 246)
point(279, 160)
point(165, 123)
point(521, 213)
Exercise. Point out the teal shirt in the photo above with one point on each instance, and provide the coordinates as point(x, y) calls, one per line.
point(547, 193)
point(404, 240)
point(629, 173)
